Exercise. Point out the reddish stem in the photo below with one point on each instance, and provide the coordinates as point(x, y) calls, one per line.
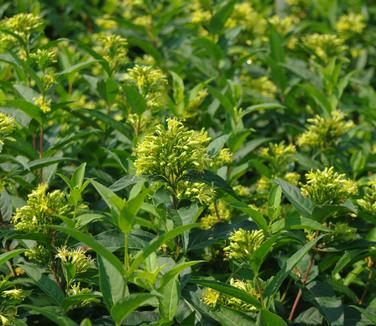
point(300, 292)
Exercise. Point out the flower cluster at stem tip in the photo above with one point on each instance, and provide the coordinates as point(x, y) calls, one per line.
point(172, 152)
point(150, 82)
point(213, 298)
point(323, 132)
point(243, 243)
point(42, 209)
point(328, 187)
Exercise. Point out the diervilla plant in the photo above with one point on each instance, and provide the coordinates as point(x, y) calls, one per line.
point(187, 163)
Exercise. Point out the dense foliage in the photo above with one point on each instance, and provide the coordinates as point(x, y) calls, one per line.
point(180, 162)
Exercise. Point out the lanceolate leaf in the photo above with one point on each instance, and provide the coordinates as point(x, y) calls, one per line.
point(302, 204)
point(229, 290)
point(125, 306)
point(156, 243)
point(94, 245)
point(278, 279)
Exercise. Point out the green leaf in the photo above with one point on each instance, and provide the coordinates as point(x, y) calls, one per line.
point(10, 254)
point(319, 97)
point(52, 314)
point(216, 145)
point(178, 88)
point(219, 19)
point(326, 301)
point(108, 89)
point(369, 314)
point(176, 270)
point(302, 204)
point(348, 257)
point(229, 290)
point(48, 286)
point(277, 58)
point(30, 109)
point(77, 67)
point(40, 163)
point(78, 176)
point(157, 242)
point(130, 210)
point(267, 318)
point(135, 99)
point(169, 301)
point(6, 207)
point(124, 182)
point(223, 99)
point(231, 317)
point(255, 215)
point(108, 120)
point(93, 244)
point(210, 179)
point(125, 306)
point(111, 283)
point(261, 107)
point(258, 257)
point(113, 201)
point(86, 322)
point(278, 279)
point(297, 222)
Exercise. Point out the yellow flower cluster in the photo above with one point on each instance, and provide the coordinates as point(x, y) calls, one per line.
point(324, 46)
point(367, 204)
point(278, 154)
point(7, 126)
point(350, 25)
point(194, 103)
point(196, 191)
point(113, 48)
point(284, 25)
point(213, 298)
point(243, 244)
point(218, 212)
point(323, 132)
point(260, 86)
point(265, 183)
point(43, 103)
point(22, 25)
point(43, 57)
point(328, 187)
point(76, 258)
point(151, 83)
point(172, 152)
point(42, 209)
point(10, 297)
point(245, 16)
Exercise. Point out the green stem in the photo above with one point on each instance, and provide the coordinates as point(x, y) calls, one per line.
point(126, 253)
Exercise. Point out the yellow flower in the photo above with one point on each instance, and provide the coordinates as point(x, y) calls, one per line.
point(211, 297)
point(172, 152)
point(324, 46)
point(218, 212)
point(75, 257)
point(22, 25)
point(43, 103)
point(323, 132)
point(350, 25)
point(327, 187)
point(284, 25)
point(42, 209)
point(367, 204)
point(151, 83)
point(113, 48)
point(243, 244)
